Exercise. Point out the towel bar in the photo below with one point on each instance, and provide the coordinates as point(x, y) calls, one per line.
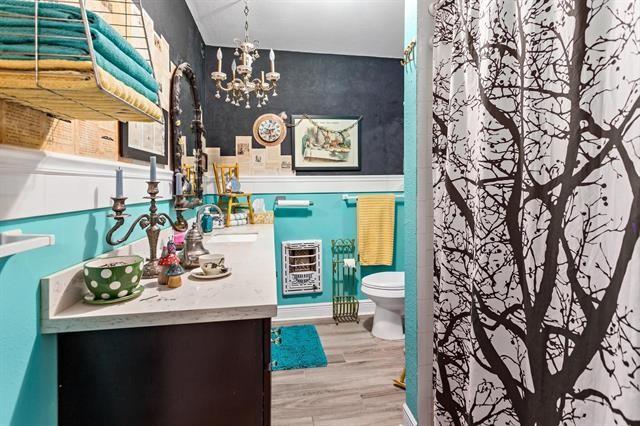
point(348, 197)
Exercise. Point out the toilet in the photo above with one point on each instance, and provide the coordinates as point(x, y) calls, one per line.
point(386, 290)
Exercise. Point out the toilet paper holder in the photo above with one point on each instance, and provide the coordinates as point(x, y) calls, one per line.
point(282, 202)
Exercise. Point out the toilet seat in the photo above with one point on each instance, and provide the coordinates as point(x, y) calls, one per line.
point(388, 281)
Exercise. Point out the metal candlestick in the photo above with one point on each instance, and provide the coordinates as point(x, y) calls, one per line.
point(152, 221)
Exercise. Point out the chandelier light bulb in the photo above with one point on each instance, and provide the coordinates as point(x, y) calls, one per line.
point(219, 54)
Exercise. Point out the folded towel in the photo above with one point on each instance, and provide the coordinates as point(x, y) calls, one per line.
point(61, 38)
point(376, 226)
point(65, 11)
point(77, 87)
point(64, 39)
point(12, 52)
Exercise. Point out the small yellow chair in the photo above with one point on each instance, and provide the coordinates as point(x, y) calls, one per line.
point(228, 200)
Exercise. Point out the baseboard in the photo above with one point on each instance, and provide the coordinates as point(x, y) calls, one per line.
point(407, 416)
point(313, 311)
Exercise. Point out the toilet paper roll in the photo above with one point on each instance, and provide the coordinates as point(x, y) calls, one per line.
point(294, 203)
point(350, 263)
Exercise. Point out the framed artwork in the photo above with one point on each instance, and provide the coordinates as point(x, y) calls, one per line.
point(139, 141)
point(325, 143)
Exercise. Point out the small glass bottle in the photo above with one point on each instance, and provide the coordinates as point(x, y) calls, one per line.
point(207, 221)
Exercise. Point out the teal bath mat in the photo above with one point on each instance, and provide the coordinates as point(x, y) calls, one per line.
point(296, 346)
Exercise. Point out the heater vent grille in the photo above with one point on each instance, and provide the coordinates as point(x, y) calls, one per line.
point(301, 267)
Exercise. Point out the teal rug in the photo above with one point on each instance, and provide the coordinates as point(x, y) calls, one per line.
point(296, 346)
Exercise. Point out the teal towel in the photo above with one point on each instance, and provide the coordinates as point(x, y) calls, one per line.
point(102, 45)
point(64, 11)
point(17, 51)
point(113, 53)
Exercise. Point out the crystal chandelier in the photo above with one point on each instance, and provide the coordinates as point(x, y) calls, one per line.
point(242, 85)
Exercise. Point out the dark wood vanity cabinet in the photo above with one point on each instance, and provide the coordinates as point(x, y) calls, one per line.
point(194, 374)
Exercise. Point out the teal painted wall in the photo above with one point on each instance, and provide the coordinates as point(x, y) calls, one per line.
point(28, 359)
point(329, 218)
point(410, 174)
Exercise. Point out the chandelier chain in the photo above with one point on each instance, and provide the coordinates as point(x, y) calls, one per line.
point(246, 20)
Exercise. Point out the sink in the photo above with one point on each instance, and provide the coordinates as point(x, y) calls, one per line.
point(234, 238)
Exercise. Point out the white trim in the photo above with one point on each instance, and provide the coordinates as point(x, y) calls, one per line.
point(407, 416)
point(14, 242)
point(313, 311)
point(294, 184)
point(37, 183)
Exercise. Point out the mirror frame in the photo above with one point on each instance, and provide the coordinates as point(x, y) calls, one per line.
point(184, 71)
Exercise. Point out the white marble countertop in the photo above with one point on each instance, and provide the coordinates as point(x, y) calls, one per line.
point(248, 293)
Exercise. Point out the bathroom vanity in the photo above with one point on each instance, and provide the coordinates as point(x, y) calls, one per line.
point(195, 355)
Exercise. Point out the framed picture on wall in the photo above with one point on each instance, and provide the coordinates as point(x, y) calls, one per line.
point(325, 143)
point(139, 141)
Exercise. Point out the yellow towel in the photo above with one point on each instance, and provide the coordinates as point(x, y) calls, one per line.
point(376, 221)
point(78, 95)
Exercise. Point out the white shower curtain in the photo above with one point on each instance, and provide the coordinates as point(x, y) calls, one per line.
point(537, 212)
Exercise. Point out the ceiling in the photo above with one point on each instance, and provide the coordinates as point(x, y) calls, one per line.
point(345, 27)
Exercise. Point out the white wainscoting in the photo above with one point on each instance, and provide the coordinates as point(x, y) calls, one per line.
point(313, 311)
point(37, 183)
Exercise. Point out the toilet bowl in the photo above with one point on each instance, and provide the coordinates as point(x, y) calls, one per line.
point(386, 290)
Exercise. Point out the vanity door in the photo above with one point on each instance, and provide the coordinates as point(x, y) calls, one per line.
point(195, 374)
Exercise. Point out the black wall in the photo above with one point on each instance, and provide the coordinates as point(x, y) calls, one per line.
point(318, 84)
point(173, 19)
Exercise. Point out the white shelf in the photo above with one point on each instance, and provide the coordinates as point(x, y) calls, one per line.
point(14, 242)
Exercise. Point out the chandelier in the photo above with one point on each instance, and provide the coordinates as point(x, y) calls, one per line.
point(242, 85)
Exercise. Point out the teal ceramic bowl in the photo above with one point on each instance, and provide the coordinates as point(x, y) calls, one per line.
point(113, 277)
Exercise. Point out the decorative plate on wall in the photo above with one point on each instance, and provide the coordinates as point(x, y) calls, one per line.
point(269, 130)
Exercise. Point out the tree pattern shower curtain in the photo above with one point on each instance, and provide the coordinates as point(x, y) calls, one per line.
point(537, 212)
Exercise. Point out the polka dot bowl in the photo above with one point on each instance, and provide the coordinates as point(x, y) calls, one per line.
point(113, 277)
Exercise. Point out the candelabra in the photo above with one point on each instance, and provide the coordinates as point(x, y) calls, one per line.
point(151, 221)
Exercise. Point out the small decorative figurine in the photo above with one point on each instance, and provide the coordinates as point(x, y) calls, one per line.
point(169, 258)
point(175, 275)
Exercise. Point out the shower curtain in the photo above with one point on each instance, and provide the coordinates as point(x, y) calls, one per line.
point(537, 212)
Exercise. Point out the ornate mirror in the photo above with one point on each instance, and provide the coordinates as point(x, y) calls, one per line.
point(187, 131)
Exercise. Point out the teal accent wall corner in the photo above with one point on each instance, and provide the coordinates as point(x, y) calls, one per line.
point(410, 225)
point(328, 219)
point(28, 359)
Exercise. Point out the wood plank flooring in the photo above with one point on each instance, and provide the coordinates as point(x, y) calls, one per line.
point(355, 389)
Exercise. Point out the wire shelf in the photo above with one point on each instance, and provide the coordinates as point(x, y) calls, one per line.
point(73, 85)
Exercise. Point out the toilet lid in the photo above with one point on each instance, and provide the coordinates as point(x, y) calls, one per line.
point(385, 281)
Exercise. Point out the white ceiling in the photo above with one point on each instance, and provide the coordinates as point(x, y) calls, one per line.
point(346, 27)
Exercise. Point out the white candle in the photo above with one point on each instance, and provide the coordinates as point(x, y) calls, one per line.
point(219, 56)
point(272, 58)
point(178, 183)
point(152, 169)
point(119, 183)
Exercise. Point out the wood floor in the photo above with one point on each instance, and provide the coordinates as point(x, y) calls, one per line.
point(355, 389)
